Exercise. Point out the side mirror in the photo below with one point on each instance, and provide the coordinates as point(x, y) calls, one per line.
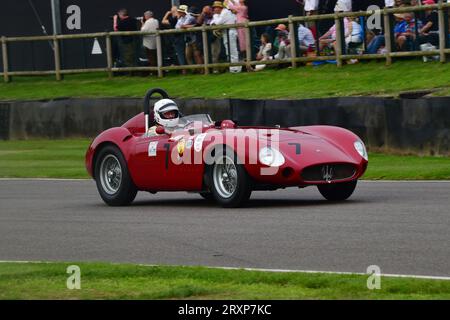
point(160, 130)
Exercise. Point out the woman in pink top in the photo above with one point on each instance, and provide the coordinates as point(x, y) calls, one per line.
point(240, 8)
point(329, 38)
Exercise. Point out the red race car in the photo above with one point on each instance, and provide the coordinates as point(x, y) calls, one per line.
point(220, 160)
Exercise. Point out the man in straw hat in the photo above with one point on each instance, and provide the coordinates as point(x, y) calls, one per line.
point(184, 19)
point(223, 16)
point(194, 39)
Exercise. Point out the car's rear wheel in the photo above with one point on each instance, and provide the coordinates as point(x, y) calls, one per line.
point(112, 177)
point(229, 183)
point(337, 191)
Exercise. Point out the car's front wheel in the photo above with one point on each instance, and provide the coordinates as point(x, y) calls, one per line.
point(112, 177)
point(337, 191)
point(229, 183)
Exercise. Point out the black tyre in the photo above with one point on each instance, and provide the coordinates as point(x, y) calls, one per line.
point(112, 177)
point(228, 181)
point(337, 191)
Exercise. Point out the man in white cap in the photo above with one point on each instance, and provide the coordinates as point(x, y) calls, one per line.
point(223, 16)
point(150, 24)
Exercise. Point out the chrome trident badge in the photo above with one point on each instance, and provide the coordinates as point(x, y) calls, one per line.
point(327, 173)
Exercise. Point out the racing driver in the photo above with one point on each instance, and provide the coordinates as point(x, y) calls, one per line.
point(167, 115)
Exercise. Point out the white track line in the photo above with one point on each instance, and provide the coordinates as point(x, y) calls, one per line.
point(336, 272)
point(309, 271)
point(261, 270)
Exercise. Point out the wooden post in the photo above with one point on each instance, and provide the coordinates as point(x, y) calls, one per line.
point(387, 37)
point(5, 59)
point(57, 55)
point(293, 42)
point(159, 54)
point(338, 47)
point(109, 57)
point(205, 49)
point(248, 49)
point(442, 34)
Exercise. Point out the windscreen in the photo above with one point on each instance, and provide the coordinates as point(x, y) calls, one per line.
point(204, 118)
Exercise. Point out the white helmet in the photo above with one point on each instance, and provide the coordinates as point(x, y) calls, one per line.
point(161, 108)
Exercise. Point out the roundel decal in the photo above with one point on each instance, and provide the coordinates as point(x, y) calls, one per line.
point(198, 143)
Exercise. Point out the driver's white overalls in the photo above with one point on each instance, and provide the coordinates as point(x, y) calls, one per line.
point(152, 132)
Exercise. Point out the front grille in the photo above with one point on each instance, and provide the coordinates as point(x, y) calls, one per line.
point(328, 172)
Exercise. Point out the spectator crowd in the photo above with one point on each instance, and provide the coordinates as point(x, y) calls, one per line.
point(411, 31)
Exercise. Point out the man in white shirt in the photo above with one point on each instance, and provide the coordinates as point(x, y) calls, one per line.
point(343, 6)
point(311, 7)
point(150, 24)
point(223, 16)
point(389, 3)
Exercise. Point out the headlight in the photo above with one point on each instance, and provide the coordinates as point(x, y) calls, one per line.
point(271, 157)
point(361, 148)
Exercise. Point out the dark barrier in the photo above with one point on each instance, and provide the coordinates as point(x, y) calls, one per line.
point(409, 125)
point(65, 118)
point(417, 126)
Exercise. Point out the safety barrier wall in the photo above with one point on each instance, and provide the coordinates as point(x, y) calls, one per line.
point(420, 126)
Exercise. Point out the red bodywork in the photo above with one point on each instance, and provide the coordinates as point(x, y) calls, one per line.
point(302, 147)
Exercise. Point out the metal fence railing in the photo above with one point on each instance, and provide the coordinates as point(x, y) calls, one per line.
point(340, 54)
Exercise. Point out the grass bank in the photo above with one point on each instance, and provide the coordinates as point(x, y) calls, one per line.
point(65, 159)
point(121, 281)
point(371, 78)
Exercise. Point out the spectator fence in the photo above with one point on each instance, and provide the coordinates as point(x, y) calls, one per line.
point(340, 55)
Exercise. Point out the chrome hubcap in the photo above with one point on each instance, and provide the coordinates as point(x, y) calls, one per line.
point(225, 177)
point(110, 174)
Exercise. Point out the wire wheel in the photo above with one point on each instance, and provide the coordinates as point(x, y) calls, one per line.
point(110, 174)
point(225, 177)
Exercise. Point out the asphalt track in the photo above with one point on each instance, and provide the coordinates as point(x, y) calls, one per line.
point(403, 227)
